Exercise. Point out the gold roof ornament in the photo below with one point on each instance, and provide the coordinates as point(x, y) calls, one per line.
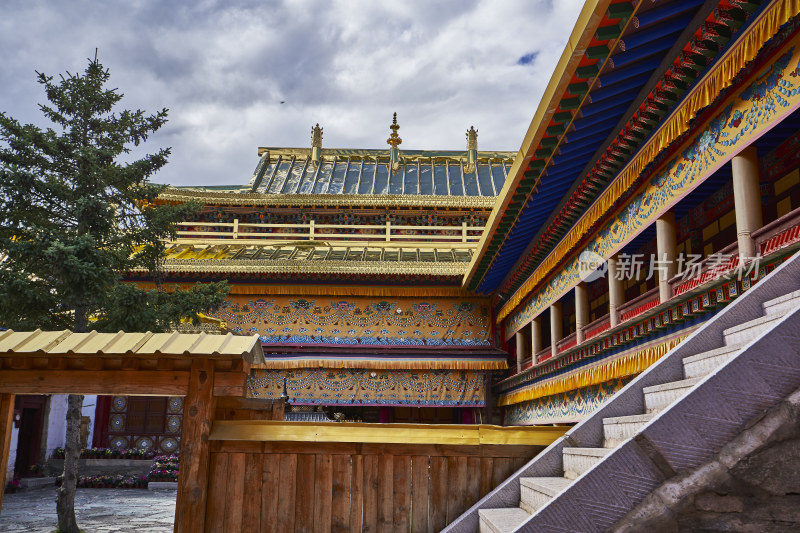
point(472, 139)
point(316, 144)
point(472, 149)
point(394, 141)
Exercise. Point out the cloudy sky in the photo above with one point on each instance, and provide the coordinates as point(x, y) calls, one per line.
point(236, 75)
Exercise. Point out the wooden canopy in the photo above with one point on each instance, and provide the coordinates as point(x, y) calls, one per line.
point(62, 362)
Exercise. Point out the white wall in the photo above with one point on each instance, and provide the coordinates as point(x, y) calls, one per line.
point(12, 453)
point(56, 430)
point(89, 406)
point(56, 423)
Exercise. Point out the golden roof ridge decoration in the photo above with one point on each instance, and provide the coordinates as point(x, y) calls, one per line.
point(256, 266)
point(394, 141)
point(316, 145)
point(472, 150)
point(379, 153)
point(173, 194)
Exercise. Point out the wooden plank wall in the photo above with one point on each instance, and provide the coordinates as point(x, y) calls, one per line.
point(321, 487)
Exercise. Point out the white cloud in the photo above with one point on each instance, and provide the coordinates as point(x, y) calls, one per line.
point(223, 68)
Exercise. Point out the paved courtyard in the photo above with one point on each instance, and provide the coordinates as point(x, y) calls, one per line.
point(97, 511)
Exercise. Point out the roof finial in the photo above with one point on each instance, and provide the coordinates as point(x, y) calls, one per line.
point(394, 139)
point(472, 138)
point(316, 144)
point(316, 136)
point(472, 149)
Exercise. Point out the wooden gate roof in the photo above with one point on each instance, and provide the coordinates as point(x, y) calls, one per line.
point(141, 345)
point(148, 364)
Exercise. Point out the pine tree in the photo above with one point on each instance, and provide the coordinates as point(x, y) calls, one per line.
point(74, 214)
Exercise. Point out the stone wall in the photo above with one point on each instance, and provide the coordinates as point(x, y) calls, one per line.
point(762, 494)
point(752, 485)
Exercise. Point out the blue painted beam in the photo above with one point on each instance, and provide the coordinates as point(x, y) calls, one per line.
point(593, 109)
point(618, 75)
point(636, 82)
point(600, 118)
point(650, 48)
point(640, 38)
point(665, 11)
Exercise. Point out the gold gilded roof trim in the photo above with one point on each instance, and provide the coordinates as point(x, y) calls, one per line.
point(254, 266)
point(383, 364)
point(300, 290)
point(407, 155)
point(172, 194)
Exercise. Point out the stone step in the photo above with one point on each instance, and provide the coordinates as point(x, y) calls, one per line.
point(696, 366)
point(620, 428)
point(501, 520)
point(30, 483)
point(782, 304)
point(576, 461)
point(746, 332)
point(535, 492)
point(658, 397)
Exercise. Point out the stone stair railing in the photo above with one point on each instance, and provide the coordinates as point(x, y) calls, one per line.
point(670, 419)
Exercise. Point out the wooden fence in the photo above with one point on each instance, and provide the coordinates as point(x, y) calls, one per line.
point(264, 485)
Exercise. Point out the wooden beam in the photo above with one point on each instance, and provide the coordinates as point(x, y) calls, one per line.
point(109, 382)
point(350, 432)
point(190, 510)
point(6, 419)
point(230, 383)
point(113, 382)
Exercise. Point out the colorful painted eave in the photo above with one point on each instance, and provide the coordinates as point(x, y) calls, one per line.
point(703, 104)
point(669, 81)
point(763, 22)
point(441, 360)
point(510, 199)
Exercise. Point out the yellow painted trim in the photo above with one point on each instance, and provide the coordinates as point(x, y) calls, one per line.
point(421, 201)
point(702, 94)
point(358, 154)
point(247, 266)
point(384, 364)
point(471, 435)
point(625, 365)
point(408, 291)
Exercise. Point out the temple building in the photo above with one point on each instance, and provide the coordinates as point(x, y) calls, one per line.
point(394, 285)
point(348, 265)
point(624, 272)
point(658, 181)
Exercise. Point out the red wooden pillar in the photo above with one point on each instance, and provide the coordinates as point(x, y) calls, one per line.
point(190, 510)
point(6, 419)
point(101, 416)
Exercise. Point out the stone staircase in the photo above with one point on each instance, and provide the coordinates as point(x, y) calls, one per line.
point(670, 419)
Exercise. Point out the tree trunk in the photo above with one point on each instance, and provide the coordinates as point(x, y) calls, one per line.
point(80, 319)
point(65, 502)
